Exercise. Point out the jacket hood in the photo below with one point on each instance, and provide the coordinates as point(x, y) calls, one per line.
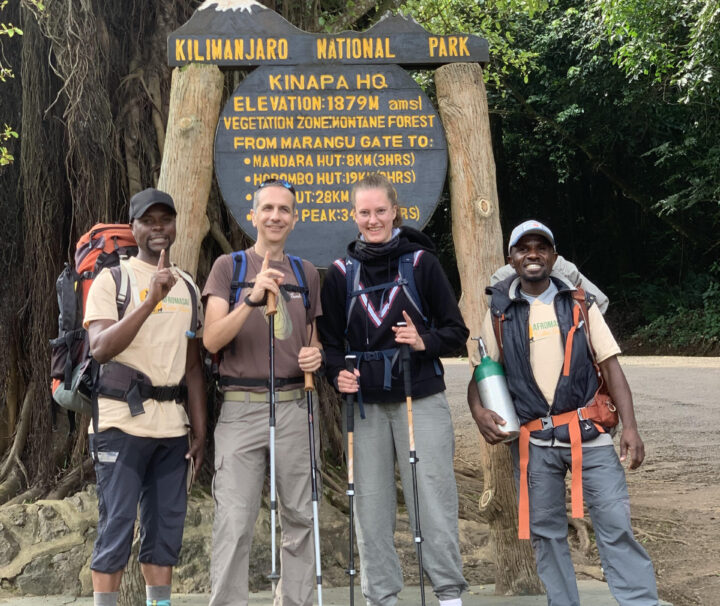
point(409, 240)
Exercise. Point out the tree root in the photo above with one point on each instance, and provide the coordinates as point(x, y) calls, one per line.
point(594, 572)
point(70, 481)
point(655, 520)
point(332, 482)
point(11, 486)
point(657, 537)
point(29, 496)
point(23, 428)
point(583, 528)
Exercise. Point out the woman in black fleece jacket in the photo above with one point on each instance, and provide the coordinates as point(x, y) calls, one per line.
point(381, 428)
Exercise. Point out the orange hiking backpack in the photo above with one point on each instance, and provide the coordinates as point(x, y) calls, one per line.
point(70, 365)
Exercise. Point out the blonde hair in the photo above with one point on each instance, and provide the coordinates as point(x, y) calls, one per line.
point(379, 181)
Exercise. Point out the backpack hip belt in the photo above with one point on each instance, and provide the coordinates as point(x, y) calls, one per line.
point(388, 356)
point(120, 382)
point(572, 419)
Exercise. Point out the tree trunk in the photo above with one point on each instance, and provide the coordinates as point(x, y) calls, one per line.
point(478, 246)
point(187, 164)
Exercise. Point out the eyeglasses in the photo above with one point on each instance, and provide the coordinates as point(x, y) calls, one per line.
point(281, 182)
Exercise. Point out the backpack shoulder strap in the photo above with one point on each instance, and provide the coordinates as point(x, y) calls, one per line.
point(239, 272)
point(297, 266)
point(406, 268)
point(121, 276)
point(584, 300)
point(352, 284)
point(497, 329)
point(67, 299)
point(192, 291)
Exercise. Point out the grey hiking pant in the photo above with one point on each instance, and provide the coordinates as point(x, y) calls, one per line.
point(241, 463)
point(626, 564)
point(380, 440)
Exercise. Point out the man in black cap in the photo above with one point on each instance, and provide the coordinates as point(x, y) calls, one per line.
point(150, 370)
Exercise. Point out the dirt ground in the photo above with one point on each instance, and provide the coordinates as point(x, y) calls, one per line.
point(675, 495)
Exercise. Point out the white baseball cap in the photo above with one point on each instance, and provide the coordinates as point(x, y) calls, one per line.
point(530, 227)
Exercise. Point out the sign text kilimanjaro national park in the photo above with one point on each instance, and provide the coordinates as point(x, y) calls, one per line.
point(322, 112)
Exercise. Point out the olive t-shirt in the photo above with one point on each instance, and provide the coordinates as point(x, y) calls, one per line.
point(247, 356)
point(159, 350)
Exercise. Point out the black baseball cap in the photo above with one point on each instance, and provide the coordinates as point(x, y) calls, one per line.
point(143, 200)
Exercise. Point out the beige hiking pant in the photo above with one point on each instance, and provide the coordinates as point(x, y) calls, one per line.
point(242, 459)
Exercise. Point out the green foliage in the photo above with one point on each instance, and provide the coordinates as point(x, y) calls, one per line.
point(7, 133)
point(496, 20)
point(675, 42)
point(9, 30)
point(690, 319)
point(677, 46)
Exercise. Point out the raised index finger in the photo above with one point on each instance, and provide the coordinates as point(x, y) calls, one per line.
point(407, 318)
point(161, 262)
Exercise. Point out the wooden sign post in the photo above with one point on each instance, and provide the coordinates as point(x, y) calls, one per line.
point(479, 252)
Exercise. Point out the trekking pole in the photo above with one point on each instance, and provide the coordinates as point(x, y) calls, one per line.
point(405, 358)
point(350, 421)
point(270, 311)
point(309, 388)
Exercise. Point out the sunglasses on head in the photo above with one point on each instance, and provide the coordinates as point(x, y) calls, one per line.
point(281, 182)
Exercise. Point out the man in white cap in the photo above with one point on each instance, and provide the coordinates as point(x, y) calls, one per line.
point(551, 348)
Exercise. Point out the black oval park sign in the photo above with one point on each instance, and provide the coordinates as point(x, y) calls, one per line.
point(323, 128)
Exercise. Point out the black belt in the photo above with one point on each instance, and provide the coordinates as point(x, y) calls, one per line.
point(279, 382)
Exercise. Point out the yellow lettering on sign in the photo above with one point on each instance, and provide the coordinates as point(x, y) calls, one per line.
point(196, 50)
point(371, 81)
point(353, 48)
point(329, 160)
point(381, 141)
point(395, 105)
point(217, 49)
point(179, 50)
point(411, 121)
point(255, 143)
point(328, 142)
point(230, 49)
point(272, 45)
point(449, 46)
point(283, 161)
point(280, 82)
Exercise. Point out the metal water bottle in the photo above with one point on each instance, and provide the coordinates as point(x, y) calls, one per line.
point(491, 383)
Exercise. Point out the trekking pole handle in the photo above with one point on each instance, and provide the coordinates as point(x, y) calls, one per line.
point(405, 359)
point(309, 381)
point(350, 367)
point(271, 306)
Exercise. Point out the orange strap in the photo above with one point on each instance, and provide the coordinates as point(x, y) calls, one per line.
point(569, 341)
point(572, 420)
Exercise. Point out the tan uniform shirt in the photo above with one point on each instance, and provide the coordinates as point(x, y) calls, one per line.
point(159, 350)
